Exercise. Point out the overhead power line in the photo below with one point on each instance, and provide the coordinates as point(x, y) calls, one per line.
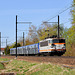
point(60, 13)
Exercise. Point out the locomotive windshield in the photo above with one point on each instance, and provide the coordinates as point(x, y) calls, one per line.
point(59, 41)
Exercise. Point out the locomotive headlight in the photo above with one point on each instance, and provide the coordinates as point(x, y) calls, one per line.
point(63, 46)
point(52, 45)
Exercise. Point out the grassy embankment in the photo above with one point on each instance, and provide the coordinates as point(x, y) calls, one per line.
point(1, 66)
point(28, 68)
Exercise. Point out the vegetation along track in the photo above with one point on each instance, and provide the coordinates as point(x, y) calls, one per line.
point(62, 60)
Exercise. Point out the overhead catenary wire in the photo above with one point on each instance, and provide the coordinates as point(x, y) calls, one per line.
point(57, 14)
point(60, 12)
point(8, 42)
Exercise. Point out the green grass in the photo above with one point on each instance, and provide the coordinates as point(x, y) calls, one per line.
point(1, 59)
point(1, 66)
point(27, 68)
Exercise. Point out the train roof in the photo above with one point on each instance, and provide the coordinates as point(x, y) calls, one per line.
point(12, 48)
point(31, 45)
point(51, 39)
point(24, 46)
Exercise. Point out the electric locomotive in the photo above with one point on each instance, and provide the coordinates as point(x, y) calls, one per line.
point(52, 46)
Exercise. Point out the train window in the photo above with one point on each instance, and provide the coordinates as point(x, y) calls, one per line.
point(45, 43)
point(29, 46)
point(26, 47)
point(56, 41)
point(36, 46)
point(59, 41)
point(50, 41)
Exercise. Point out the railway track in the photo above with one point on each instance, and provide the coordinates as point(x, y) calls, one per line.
point(62, 60)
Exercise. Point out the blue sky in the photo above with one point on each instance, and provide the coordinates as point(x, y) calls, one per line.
point(34, 11)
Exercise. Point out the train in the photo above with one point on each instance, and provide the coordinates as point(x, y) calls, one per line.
point(49, 46)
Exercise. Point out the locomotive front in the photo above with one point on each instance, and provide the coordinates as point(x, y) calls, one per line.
point(58, 45)
point(53, 45)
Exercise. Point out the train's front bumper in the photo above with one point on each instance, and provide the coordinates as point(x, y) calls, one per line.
point(59, 50)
